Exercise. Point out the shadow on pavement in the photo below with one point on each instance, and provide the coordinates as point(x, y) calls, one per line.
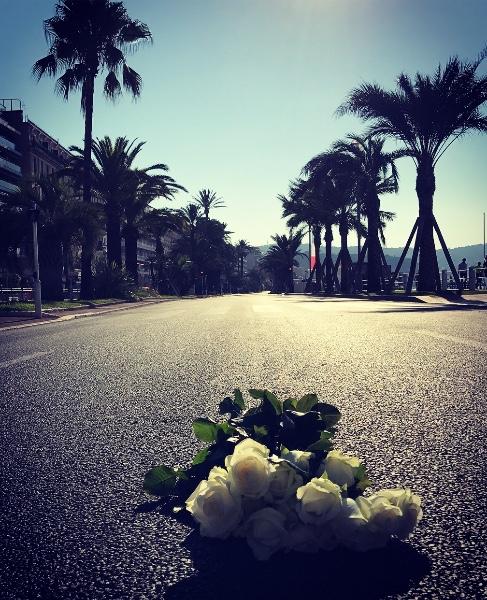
point(228, 570)
point(426, 308)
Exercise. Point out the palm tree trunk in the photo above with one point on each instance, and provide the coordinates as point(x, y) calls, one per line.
point(374, 267)
point(114, 238)
point(159, 264)
point(290, 281)
point(51, 267)
point(425, 189)
point(328, 258)
point(317, 246)
point(345, 263)
point(86, 288)
point(68, 266)
point(131, 236)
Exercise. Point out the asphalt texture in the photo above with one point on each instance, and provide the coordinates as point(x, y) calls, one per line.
point(87, 406)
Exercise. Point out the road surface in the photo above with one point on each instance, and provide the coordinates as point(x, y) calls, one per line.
point(89, 405)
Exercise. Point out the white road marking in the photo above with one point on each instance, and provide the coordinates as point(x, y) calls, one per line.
point(20, 359)
point(454, 339)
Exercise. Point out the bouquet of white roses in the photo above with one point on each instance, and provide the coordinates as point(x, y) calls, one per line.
point(270, 475)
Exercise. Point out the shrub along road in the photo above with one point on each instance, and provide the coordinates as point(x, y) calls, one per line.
point(89, 405)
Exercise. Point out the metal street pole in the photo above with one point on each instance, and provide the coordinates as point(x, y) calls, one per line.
point(37, 282)
point(309, 247)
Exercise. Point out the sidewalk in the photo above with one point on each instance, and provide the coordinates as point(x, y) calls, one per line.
point(26, 319)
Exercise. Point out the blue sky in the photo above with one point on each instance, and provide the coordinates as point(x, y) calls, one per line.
point(239, 94)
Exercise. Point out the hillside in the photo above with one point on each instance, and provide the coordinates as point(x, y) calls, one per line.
point(473, 254)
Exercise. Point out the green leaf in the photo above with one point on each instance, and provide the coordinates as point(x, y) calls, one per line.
point(260, 432)
point(238, 399)
point(328, 412)
point(224, 431)
point(181, 474)
point(268, 398)
point(323, 444)
point(205, 430)
point(201, 456)
point(363, 484)
point(361, 472)
point(289, 404)
point(307, 402)
point(273, 401)
point(160, 481)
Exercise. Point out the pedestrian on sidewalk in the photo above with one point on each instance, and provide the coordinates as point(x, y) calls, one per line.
point(463, 270)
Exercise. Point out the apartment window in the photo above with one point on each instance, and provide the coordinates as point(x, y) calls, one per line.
point(6, 164)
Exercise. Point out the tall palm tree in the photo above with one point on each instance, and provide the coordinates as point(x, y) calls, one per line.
point(313, 201)
point(212, 240)
point(427, 114)
point(190, 216)
point(207, 199)
point(111, 172)
point(376, 174)
point(242, 248)
point(335, 176)
point(281, 258)
point(302, 207)
point(85, 38)
point(143, 187)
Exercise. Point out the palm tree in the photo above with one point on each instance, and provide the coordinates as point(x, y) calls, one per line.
point(158, 222)
point(143, 187)
point(281, 258)
point(189, 218)
point(212, 241)
point(335, 176)
point(207, 199)
point(61, 218)
point(427, 114)
point(376, 174)
point(242, 248)
point(85, 38)
point(110, 175)
point(313, 201)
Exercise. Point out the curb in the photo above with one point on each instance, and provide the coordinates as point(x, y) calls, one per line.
point(63, 318)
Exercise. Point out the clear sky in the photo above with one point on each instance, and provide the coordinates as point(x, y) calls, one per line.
point(239, 94)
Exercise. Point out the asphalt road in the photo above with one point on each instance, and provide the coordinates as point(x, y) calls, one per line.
point(87, 406)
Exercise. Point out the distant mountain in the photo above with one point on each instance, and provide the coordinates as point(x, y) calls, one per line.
point(473, 254)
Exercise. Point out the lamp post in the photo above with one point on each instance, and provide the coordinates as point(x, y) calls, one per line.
point(36, 288)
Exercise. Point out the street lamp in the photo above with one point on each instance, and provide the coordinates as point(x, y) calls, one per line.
point(36, 288)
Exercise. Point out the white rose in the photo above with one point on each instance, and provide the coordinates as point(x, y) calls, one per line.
point(214, 507)
point(249, 469)
point(284, 483)
point(341, 468)
point(352, 528)
point(319, 501)
point(251, 505)
point(299, 458)
point(410, 505)
point(303, 538)
point(382, 516)
point(265, 532)
point(218, 473)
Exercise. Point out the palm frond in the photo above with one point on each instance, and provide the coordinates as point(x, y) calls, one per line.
point(132, 81)
point(112, 88)
point(47, 65)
